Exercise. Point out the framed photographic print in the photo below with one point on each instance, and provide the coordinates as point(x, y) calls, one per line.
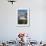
point(22, 17)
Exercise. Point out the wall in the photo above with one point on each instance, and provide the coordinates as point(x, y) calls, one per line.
point(37, 28)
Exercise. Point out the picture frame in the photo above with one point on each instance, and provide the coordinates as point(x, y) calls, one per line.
point(22, 17)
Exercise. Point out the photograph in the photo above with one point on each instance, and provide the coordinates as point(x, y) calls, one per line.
point(22, 17)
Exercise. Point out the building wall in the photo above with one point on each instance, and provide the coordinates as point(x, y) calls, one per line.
point(37, 28)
